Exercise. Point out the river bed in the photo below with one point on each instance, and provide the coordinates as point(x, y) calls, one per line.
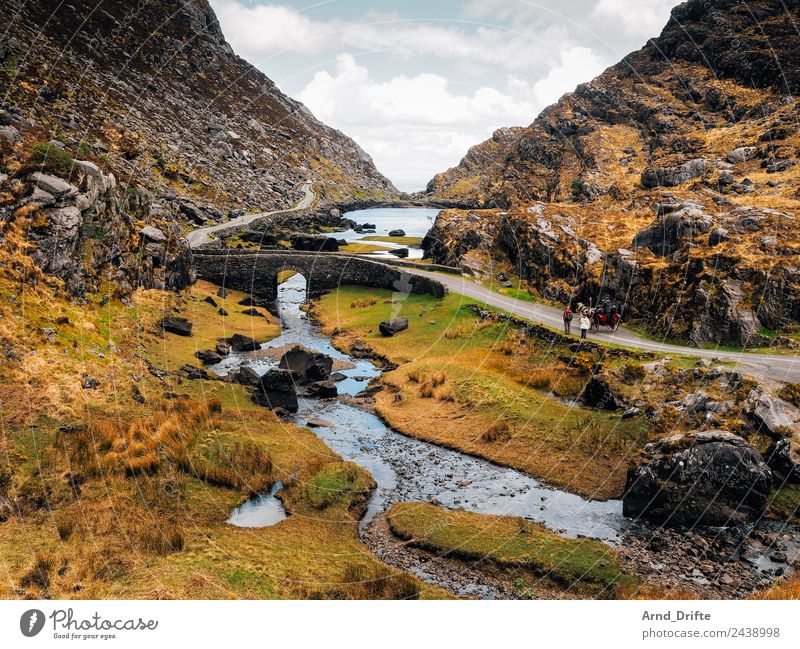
point(407, 469)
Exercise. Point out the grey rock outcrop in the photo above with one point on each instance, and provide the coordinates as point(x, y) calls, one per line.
point(708, 478)
point(671, 176)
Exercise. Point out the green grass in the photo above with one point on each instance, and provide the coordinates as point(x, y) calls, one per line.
point(784, 504)
point(403, 241)
point(362, 248)
point(487, 373)
point(580, 565)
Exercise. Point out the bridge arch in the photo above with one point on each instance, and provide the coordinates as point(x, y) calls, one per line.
point(256, 272)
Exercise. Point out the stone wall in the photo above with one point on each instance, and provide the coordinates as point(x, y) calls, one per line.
point(257, 272)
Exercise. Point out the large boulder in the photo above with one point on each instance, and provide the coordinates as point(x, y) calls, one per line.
point(397, 233)
point(707, 478)
point(313, 242)
point(783, 457)
point(53, 185)
point(670, 231)
point(394, 326)
point(208, 357)
point(240, 343)
point(671, 176)
point(246, 376)
point(770, 415)
point(176, 325)
point(276, 389)
point(309, 366)
point(742, 154)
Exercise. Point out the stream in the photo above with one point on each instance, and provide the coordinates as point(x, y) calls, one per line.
point(407, 469)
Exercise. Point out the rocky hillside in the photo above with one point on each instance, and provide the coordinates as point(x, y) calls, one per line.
point(670, 182)
point(124, 123)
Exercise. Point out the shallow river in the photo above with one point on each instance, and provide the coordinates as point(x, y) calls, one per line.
point(407, 469)
point(416, 221)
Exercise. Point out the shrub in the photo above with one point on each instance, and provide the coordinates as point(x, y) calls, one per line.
point(39, 573)
point(543, 377)
point(439, 379)
point(446, 395)
point(415, 376)
point(497, 432)
point(362, 582)
point(363, 302)
point(163, 539)
point(52, 156)
point(633, 372)
point(426, 390)
point(791, 393)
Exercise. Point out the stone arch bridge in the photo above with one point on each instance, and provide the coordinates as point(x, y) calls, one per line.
point(256, 272)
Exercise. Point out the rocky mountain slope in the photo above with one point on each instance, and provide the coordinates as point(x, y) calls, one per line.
point(145, 123)
point(670, 182)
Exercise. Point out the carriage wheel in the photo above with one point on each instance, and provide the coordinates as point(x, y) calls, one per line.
point(594, 328)
point(615, 326)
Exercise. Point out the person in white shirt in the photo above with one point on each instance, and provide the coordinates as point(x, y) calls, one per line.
point(584, 322)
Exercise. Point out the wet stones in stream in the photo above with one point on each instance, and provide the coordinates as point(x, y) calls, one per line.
point(276, 390)
point(715, 563)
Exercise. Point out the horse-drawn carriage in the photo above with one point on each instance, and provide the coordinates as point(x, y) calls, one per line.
point(601, 319)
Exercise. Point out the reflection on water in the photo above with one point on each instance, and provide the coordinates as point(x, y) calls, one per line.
point(414, 221)
point(261, 511)
point(407, 469)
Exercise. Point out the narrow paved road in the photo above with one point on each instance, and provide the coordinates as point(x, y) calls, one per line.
point(772, 366)
point(205, 235)
point(778, 367)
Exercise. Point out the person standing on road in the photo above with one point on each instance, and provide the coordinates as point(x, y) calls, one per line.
point(567, 320)
point(584, 322)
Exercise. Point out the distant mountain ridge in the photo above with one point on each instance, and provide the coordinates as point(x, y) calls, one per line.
point(670, 183)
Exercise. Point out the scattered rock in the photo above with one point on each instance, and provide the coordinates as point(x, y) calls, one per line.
point(313, 242)
point(246, 376)
point(208, 357)
point(599, 393)
point(240, 343)
point(742, 154)
point(88, 382)
point(783, 457)
point(674, 175)
point(324, 389)
point(314, 422)
point(397, 233)
point(769, 414)
point(254, 312)
point(276, 389)
point(309, 366)
point(176, 325)
point(394, 326)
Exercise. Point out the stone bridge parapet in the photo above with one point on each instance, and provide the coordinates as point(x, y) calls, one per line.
point(256, 272)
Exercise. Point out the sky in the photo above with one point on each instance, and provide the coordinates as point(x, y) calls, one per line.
point(417, 82)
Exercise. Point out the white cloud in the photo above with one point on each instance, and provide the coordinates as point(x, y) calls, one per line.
point(637, 17)
point(414, 127)
point(578, 64)
point(260, 31)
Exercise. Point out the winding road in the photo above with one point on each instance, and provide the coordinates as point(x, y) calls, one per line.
point(777, 367)
point(202, 236)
